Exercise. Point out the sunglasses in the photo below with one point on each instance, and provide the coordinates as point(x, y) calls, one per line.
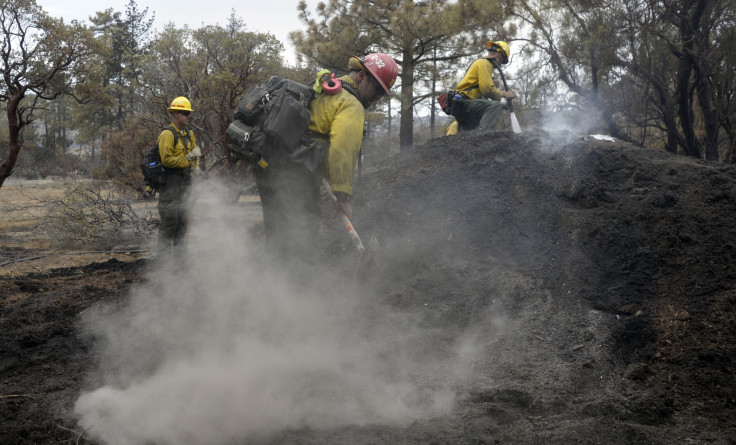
point(498, 49)
point(185, 113)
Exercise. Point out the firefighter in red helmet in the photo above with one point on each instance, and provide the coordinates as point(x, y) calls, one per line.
point(290, 192)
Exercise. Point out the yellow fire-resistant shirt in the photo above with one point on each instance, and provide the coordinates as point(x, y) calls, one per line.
point(478, 81)
point(176, 157)
point(340, 117)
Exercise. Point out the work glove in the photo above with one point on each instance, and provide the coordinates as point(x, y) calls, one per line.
point(194, 154)
point(149, 192)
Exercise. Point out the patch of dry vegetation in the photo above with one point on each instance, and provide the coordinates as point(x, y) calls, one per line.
point(23, 208)
point(51, 223)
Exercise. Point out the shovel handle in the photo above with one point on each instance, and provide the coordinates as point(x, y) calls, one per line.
point(351, 231)
point(345, 220)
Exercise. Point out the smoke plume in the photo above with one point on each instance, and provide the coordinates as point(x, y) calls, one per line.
point(223, 347)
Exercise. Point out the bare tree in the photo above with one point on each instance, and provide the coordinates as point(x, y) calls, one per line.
point(698, 23)
point(655, 70)
point(577, 39)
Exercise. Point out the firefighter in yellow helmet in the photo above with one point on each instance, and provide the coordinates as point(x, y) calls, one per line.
point(479, 106)
point(290, 191)
point(179, 154)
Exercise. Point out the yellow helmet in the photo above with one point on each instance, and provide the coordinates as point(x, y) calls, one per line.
point(501, 47)
point(181, 103)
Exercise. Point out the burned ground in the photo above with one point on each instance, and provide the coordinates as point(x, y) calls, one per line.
point(594, 279)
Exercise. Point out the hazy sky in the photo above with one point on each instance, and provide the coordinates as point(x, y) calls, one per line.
point(278, 17)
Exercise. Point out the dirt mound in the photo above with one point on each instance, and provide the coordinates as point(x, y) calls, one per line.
point(594, 280)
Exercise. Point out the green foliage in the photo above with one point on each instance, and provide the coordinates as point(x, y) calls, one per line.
point(658, 74)
point(43, 54)
point(125, 39)
point(41, 58)
point(212, 66)
point(122, 152)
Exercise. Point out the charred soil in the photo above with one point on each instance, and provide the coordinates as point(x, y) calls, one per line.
point(596, 276)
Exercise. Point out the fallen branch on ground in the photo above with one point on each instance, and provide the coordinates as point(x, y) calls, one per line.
point(20, 260)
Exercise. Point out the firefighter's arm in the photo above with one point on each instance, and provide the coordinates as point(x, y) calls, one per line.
point(346, 137)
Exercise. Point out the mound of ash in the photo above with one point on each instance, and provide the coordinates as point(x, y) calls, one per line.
point(597, 276)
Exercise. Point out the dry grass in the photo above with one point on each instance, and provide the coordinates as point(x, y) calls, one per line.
point(23, 206)
point(31, 240)
point(28, 243)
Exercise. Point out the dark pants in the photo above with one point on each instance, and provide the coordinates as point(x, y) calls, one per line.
point(173, 209)
point(290, 198)
point(476, 113)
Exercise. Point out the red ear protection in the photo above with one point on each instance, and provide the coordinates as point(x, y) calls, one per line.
point(331, 85)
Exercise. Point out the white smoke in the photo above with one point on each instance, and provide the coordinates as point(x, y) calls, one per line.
point(572, 121)
point(227, 348)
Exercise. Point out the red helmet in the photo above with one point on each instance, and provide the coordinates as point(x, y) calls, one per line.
point(383, 67)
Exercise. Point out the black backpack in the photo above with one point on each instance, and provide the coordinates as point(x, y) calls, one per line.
point(154, 172)
point(272, 118)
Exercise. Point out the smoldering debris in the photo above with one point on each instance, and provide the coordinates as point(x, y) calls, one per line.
point(223, 346)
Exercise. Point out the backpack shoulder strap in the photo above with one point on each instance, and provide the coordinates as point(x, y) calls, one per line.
point(174, 132)
point(188, 137)
point(352, 90)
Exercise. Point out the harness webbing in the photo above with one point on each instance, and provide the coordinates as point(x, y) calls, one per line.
point(176, 136)
point(350, 89)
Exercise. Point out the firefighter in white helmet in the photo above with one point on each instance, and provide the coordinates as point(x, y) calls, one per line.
point(179, 154)
point(290, 191)
point(479, 106)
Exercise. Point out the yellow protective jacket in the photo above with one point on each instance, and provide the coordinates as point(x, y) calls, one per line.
point(176, 157)
point(340, 118)
point(478, 81)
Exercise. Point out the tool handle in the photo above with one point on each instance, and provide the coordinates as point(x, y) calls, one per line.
point(351, 231)
point(345, 220)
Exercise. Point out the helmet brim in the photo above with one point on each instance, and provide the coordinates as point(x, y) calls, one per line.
point(381, 82)
point(503, 51)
